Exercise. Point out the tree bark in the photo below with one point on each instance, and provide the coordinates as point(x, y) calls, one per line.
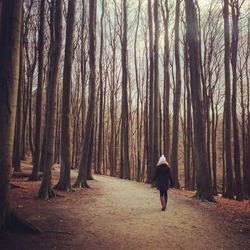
point(204, 189)
point(81, 181)
point(177, 96)
point(125, 162)
point(46, 191)
point(150, 161)
point(19, 111)
point(9, 75)
point(227, 106)
point(65, 164)
point(100, 129)
point(166, 115)
point(39, 94)
point(234, 51)
point(156, 152)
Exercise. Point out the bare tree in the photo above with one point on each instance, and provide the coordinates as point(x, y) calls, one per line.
point(46, 191)
point(204, 188)
point(39, 94)
point(150, 156)
point(125, 163)
point(11, 17)
point(177, 96)
point(87, 149)
point(101, 129)
point(234, 51)
point(65, 164)
point(227, 105)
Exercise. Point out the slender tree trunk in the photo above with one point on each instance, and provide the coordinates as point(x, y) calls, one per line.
point(100, 129)
point(177, 96)
point(156, 144)
point(188, 180)
point(246, 176)
point(138, 139)
point(45, 191)
point(125, 161)
point(227, 106)
point(19, 112)
point(39, 94)
point(9, 74)
point(204, 188)
point(65, 164)
point(81, 181)
point(150, 167)
point(214, 151)
point(166, 116)
point(31, 146)
point(234, 52)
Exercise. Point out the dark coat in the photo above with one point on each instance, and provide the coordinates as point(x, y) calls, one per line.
point(163, 177)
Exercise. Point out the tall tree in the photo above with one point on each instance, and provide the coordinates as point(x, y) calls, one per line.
point(138, 138)
point(46, 191)
point(81, 181)
point(101, 129)
point(227, 104)
point(150, 152)
point(10, 27)
point(39, 94)
point(177, 96)
point(65, 164)
point(234, 52)
point(125, 163)
point(204, 188)
point(156, 92)
point(166, 115)
point(19, 112)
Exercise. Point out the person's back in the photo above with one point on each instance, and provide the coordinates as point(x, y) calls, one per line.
point(163, 177)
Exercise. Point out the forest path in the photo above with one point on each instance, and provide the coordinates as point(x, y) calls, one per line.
point(122, 214)
point(127, 215)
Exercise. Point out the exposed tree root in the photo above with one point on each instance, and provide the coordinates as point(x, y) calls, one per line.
point(17, 224)
point(46, 194)
point(63, 187)
point(81, 184)
point(57, 231)
point(198, 196)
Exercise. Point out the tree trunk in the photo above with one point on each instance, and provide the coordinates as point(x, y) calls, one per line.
point(45, 191)
point(150, 161)
point(65, 164)
point(166, 116)
point(234, 51)
point(81, 181)
point(138, 137)
point(9, 74)
point(204, 189)
point(177, 96)
point(100, 129)
point(227, 106)
point(39, 95)
point(156, 152)
point(19, 112)
point(188, 180)
point(125, 162)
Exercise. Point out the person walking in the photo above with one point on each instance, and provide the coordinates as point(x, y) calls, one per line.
point(163, 180)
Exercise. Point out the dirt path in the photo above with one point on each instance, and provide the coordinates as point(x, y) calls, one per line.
point(127, 215)
point(120, 214)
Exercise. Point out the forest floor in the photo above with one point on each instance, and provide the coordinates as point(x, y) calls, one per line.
point(121, 214)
